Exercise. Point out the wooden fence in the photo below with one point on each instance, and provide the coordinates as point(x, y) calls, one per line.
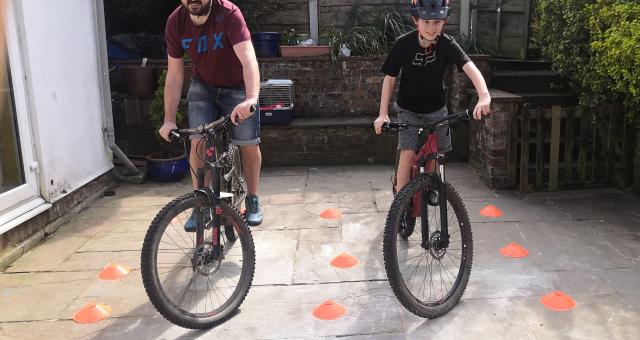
point(568, 148)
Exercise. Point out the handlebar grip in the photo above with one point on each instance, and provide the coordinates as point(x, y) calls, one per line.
point(465, 115)
point(174, 136)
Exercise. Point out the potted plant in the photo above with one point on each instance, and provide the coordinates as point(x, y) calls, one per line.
point(171, 162)
point(294, 44)
point(266, 44)
point(367, 34)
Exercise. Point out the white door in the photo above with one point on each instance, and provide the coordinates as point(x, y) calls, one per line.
point(19, 194)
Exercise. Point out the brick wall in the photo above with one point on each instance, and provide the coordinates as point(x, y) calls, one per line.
point(489, 150)
point(331, 92)
point(347, 87)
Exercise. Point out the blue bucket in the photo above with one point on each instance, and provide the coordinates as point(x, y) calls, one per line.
point(167, 169)
point(266, 44)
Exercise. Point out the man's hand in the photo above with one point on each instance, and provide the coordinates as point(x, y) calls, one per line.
point(482, 108)
point(166, 128)
point(379, 122)
point(242, 111)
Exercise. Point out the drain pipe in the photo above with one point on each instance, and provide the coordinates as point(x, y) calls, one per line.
point(108, 129)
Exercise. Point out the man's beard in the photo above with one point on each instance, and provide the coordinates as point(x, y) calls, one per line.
point(204, 9)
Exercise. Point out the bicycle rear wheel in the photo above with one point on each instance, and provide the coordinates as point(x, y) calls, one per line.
point(428, 280)
point(188, 283)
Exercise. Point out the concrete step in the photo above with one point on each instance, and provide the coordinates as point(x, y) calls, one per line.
point(550, 98)
point(530, 81)
point(519, 65)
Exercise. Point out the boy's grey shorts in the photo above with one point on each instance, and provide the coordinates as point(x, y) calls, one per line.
point(408, 138)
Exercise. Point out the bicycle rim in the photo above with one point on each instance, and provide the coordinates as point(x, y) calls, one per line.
point(188, 283)
point(428, 280)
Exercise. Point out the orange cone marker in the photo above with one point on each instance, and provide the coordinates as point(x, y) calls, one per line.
point(328, 310)
point(490, 211)
point(514, 250)
point(331, 214)
point(92, 313)
point(344, 260)
point(113, 271)
point(558, 301)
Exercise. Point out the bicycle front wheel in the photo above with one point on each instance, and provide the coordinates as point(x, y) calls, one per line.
point(196, 284)
point(426, 277)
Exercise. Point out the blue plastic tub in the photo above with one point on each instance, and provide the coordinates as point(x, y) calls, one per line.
point(266, 44)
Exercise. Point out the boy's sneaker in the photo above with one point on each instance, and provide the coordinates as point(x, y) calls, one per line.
point(253, 213)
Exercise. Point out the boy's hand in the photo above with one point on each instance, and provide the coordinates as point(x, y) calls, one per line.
point(482, 108)
point(379, 122)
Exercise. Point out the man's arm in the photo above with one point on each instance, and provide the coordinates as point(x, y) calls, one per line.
point(251, 74)
point(484, 99)
point(172, 93)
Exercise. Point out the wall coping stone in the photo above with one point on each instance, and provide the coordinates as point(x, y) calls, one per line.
point(499, 96)
point(310, 123)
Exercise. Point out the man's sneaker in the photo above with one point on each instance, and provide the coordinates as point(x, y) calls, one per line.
point(253, 213)
point(197, 216)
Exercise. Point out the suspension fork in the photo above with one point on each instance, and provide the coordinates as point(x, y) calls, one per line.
point(212, 194)
point(442, 196)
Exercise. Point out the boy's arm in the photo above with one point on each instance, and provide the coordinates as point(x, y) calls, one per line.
point(172, 93)
point(388, 85)
point(484, 99)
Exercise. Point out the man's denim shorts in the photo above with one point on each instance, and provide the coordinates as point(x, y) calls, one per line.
point(208, 103)
point(408, 138)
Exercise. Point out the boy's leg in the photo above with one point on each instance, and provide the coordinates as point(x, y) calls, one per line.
point(407, 157)
point(407, 144)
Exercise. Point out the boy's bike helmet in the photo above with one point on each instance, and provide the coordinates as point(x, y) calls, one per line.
point(430, 9)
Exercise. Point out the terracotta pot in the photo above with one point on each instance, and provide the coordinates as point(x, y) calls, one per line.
point(304, 51)
point(140, 81)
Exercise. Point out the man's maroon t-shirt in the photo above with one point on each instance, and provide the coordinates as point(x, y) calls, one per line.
point(210, 45)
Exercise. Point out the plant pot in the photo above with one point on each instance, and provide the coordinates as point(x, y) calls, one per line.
point(139, 81)
point(266, 44)
point(304, 51)
point(167, 167)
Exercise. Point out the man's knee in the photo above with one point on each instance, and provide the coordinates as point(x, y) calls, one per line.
point(250, 149)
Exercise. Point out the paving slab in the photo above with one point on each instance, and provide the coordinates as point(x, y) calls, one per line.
point(582, 242)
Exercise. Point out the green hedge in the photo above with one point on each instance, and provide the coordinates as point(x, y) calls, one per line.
point(596, 43)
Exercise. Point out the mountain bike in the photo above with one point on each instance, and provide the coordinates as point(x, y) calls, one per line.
point(428, 245)
point(198, 278)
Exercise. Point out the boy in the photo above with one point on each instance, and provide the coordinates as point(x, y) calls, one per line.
point(422, 56)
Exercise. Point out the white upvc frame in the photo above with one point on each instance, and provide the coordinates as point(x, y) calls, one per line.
point(23, 202)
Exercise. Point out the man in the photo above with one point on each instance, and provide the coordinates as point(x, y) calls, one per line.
point(225, 80)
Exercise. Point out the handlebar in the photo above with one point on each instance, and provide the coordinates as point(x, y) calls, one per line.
point(392, 127)
point(205, 129)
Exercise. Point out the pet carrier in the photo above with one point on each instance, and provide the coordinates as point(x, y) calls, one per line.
point(276, 102)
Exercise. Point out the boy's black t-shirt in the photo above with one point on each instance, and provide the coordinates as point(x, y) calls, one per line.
point(422, 79)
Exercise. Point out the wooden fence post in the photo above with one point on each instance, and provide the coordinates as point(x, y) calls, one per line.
point(554, 153)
